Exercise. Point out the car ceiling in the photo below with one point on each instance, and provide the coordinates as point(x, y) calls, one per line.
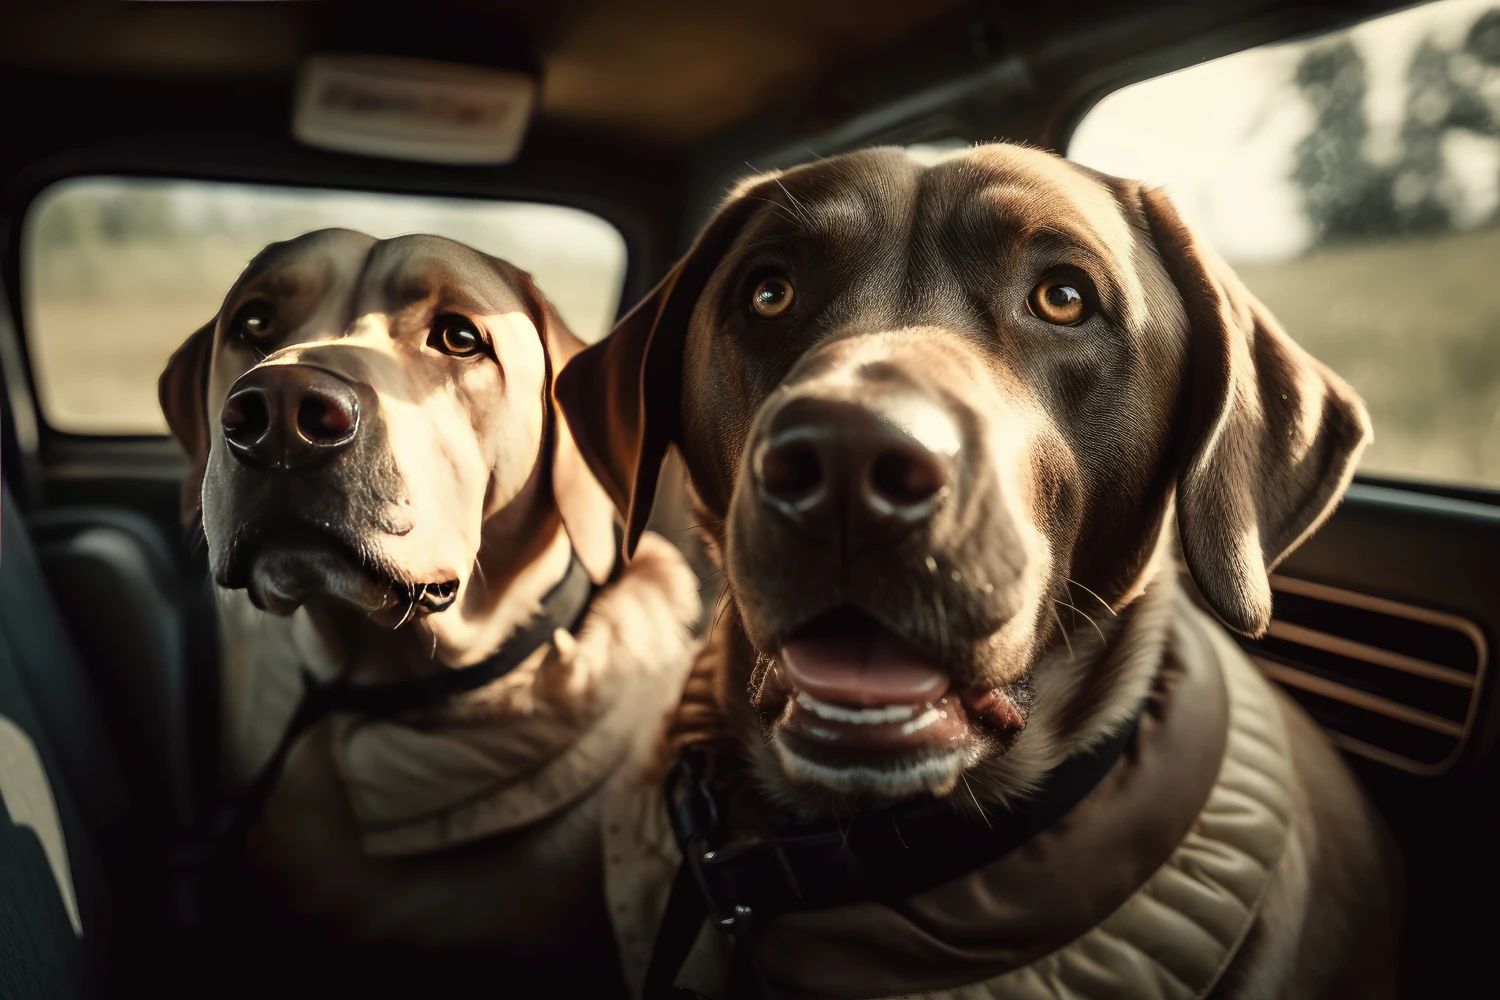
point(664, 74)
point(665, 71)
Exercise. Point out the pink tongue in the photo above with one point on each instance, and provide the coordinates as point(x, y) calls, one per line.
point(885, 671)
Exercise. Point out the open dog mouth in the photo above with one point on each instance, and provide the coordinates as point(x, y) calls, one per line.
point(285, 562)
point(846, 691)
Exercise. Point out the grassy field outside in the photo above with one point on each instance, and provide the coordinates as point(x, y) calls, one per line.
point(1414, 326)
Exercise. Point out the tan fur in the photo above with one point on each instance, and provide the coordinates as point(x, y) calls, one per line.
point(469, 831)
point(529, 897)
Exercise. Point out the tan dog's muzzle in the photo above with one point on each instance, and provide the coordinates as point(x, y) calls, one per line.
point(286, 418)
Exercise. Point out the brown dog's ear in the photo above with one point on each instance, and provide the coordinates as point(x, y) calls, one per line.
point(622, 396)
point(1272, 437)
point(183, 392)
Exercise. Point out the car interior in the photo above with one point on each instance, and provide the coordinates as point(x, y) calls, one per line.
point(647, 112)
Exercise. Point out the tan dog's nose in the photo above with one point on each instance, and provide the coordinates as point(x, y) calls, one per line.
point(289, 416)
point(869, 472)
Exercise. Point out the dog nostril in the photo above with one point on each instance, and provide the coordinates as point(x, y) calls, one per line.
point(322, 420)
point(245, 417)
point(902, 477)
point(791, 471)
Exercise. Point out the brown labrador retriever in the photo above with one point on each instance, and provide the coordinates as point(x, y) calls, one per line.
point(945, 420)
point(389, 497)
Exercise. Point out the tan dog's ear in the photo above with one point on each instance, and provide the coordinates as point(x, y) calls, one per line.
point(183, 392)
point(622, 396)
point(586, 513)
point(1272, 436)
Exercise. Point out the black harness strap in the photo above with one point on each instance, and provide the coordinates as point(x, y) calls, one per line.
point(887, 854)
point(563, 607)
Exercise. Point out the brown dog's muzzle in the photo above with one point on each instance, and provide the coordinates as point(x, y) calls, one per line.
point(860, 473)
point(289, 417)
point(866, 482)
point(870, 549)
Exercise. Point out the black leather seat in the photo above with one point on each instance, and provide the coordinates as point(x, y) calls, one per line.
point(72, 881)
point(139, 631)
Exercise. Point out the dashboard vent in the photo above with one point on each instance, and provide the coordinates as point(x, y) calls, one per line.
point(1392, 682)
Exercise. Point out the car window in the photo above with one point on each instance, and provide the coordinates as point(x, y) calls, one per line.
point(1352, 180)
point(118, 271)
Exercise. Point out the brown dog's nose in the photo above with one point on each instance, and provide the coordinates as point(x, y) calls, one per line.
point(870, 471)
point(289, 416)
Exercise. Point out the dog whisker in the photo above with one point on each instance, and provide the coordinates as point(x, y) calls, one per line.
point(198, 537)
point(412, 597)
point(942, 624)
point(797, 207)
point(720, 606)
point(781, 210)
point(897, 827)
point(982, 814)
point(1075, 583)
point(1085, 618)
point(1062, 632)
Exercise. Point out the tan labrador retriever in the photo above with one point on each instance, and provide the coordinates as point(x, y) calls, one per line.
point(389, 497)
point(944, 420)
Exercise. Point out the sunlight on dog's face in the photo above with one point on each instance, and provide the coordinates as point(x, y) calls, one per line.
point(371, 405)
point(922, 397)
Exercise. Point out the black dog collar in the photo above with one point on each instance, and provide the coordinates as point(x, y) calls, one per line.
point(563, 608)
point(881, 855)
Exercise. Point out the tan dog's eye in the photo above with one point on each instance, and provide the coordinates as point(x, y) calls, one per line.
point(253, 321)
point(1063, 299)
point(772, 297)
point(455, 335)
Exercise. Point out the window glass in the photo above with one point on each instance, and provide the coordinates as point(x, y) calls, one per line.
point(118, 272)
point(1352, 180)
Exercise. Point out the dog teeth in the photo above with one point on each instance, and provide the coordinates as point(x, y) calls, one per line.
point(866, 716)
point(922, 721)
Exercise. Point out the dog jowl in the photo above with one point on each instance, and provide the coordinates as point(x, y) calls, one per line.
point(938, 418)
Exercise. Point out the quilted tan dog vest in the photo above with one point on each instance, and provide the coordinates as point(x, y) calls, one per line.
point(1145, 889)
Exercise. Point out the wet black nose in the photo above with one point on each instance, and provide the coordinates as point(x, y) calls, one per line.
point(289, 416)
point(871, 471)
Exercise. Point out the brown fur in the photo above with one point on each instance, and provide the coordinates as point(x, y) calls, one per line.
point(1178, 408)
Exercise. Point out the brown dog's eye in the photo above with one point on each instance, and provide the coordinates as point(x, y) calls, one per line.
point(1062, 299)
point(253, 321)
point(772, 297)
point(455, 335)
